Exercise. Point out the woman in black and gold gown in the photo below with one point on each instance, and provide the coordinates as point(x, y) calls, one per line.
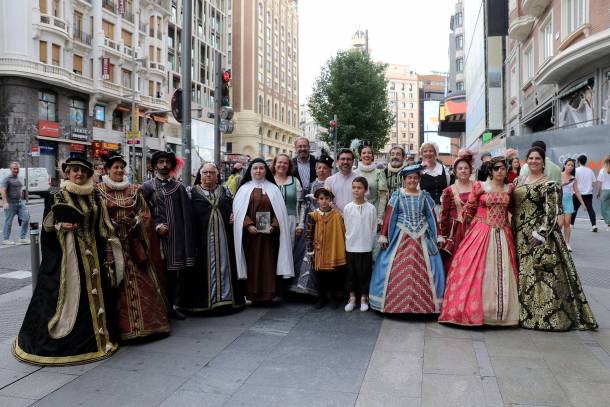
point(70, 318)
point(550, 292)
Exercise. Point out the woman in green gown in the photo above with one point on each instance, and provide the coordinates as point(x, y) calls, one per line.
point(550, 292)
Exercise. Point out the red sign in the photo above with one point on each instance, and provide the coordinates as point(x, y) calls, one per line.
point(122, 7)
point(48, 129)
point(78, 148)
point(105, 68)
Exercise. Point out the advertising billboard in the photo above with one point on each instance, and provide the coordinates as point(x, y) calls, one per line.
point(202, 147)
point(431, 127)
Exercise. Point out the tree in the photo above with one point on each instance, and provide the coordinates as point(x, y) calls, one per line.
point(353, 87)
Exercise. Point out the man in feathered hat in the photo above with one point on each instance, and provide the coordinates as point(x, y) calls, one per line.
point(172, 215)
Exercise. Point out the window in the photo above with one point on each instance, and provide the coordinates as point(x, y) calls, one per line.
point(47, 106)
point(99, 116)
point(126, 76)
point(42, 5)
point(117, 120)
point(459, 65)
point(528, 64)
point(127, 37)
point(229, 144)
point(77, 64)
point(459, 42)
point(56, 54)
point(261, 11)
point(151, 26)
point(151, 88)
point(77, 112)
point(43, 51)
point(459, 86)
point(575, 14)
point(108, 29)
point(78, 21)
point(458, 19)
point(546, 40)
point(158, 55)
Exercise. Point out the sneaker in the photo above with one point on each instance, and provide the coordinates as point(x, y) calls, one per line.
point(364, 307)
point(8, 242)
point(350, 306)
point(594, 229)
point(23, 241)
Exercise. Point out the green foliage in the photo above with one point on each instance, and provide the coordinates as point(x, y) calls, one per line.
point(354, 88)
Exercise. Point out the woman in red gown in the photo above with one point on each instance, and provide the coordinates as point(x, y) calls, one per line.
point(482, 281)
point(453, 199)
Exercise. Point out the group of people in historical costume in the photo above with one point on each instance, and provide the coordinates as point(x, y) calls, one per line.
point(119, 259)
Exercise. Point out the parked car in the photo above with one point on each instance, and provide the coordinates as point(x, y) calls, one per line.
point(38, 179)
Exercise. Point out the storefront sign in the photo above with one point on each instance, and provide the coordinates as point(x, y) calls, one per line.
point(78, 148)
point(105, 68)
point(35, 151)
point(48, 129)
point(110, 146)
point(79, 133)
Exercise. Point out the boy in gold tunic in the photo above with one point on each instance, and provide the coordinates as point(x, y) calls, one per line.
point(326, 245)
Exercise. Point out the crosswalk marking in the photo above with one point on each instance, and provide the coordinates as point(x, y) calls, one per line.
point(19, 274)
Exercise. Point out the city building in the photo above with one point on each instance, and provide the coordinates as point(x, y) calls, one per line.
point(360, 41)
point(69, 71)
point(484, 27)
point(265, 77)
point(558, 65)
point(403, 99)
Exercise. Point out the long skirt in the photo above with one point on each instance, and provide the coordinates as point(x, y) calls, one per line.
point(304, 281)
point(482, 280)
point(407, 278)
point(605, 205)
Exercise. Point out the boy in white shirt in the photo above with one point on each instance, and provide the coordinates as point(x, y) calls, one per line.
point(360, 218)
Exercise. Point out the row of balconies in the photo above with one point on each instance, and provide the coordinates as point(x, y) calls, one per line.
point(521, 27)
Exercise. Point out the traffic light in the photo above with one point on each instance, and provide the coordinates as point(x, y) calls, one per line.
point(226, 84)
point(333, 129)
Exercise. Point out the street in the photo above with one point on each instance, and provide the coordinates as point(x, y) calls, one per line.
point(291, 354)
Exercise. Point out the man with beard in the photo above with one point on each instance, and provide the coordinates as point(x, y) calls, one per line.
point(340, 184)
point(172, 215)
point(304, 164)
point(392, 172)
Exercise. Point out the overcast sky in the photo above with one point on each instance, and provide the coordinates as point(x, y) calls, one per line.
point(409, 32)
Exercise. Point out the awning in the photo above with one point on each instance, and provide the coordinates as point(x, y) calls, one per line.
point(573, 89)
point(123, 109)
point(64, 140)
point(160, 119)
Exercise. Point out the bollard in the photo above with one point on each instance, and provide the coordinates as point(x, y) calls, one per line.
point(34, 252)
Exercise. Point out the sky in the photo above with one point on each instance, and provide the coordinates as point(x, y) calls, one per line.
point(408, 32)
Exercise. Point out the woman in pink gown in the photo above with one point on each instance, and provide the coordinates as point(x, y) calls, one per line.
point(482, 281)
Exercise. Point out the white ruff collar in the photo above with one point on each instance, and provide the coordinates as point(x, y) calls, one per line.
point(84, 189)
point(367, 168)
point(117, 186)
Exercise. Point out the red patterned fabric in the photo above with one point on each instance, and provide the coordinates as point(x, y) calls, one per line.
point(449, 215)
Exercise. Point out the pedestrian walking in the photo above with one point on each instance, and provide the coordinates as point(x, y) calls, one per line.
point(13, 192)
point(360, 218)
point(326, 246)
point(141, 304)
point(451, 226)
point(234, 179)
point(482, 280)
point(408, 275)
point(603, 190)
point(570, 190)
point(377, 193)
point(171, 210)
point(261, 232)
point(392, 172)
point(585, 177)
point(340, 184)
point(70, 318)
point(435, 176)
point(212, 284)
point(550, 294)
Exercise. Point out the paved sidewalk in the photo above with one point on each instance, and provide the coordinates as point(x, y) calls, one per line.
point(293, 355)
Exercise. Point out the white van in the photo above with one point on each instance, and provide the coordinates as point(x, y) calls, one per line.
point(38, 180)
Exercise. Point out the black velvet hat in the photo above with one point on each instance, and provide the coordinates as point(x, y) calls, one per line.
point(324, 159)
point(165, 154)
point(112, 159)
point(81, 162)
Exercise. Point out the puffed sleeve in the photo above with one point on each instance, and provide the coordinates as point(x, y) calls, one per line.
point(551, 209)
point(382, 195)
point(447, 212)
point(472, 204)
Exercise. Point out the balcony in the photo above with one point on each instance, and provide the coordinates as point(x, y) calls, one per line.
point(143, 27)
point(110, 6)
point(36, 70)
point(127, 50)
point(81, 36)
point(112, 44)
point(534, 8)
point(128, 15)
point(521, 28)
point(54, 24)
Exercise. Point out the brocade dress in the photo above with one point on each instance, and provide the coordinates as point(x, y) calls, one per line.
point(550, 293)
point(452, 224)
point(408, 276)
point(141, 305)
point(482, 280)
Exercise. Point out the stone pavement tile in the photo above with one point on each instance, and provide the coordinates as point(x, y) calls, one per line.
point(235, 359)
point(313, 378)
point(339, 321)
point(145, 361)
point(251, 395)
point(148, 389)
point(10, 362)
point(510, 342)
point(73, 397)
point(217, 380)
point(331, 339)
point(78, 370)
point(278, 325)
point(186, 398)
point(9, 376)
point(239, 320)
point(196, 345)
point(527, 381)
point(347, 357)
point(602, 337)
point(401, 336)
point(434, 329)
point(602, 314)
point(386, 400)
point(440, 390)
point(450, 356)
point(602, 295)
point(255, 342)
point(6, 401)
point(575, 362)
point(37, 385)
point(561, 338)
point(586, 394)
point(394, 372)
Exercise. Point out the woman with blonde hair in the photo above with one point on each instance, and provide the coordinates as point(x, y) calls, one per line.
point(435, 177)
point(603, 190)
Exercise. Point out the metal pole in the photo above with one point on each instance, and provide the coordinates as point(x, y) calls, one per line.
point(34, 252)
point(186, 89)
point(27, 154)
point(134, 117)
point(396, 112)
point(217, 105)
